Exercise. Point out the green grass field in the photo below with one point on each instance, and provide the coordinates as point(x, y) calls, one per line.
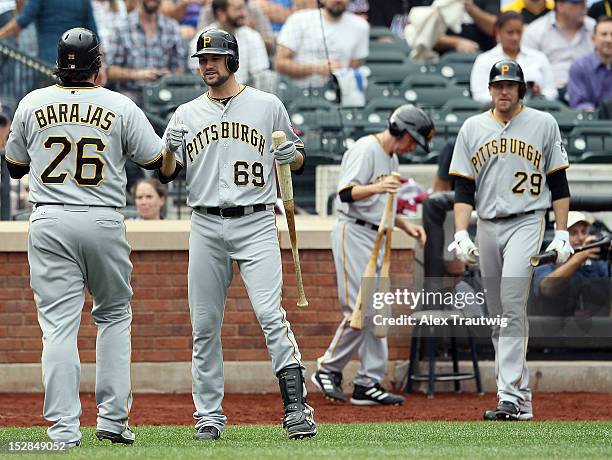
point(449, 440)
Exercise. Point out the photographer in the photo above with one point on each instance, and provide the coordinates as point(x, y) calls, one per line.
point(579, 286)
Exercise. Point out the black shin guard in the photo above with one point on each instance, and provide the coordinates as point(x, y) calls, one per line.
point(291, 383)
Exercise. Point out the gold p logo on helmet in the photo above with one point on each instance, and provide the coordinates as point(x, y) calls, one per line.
point(505, 68)
point(207, 41)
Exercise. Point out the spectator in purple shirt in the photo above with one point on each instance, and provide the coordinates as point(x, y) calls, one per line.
point(590, 77)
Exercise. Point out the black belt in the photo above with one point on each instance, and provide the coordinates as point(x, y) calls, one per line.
point(512, 216)
point(38, 205)
point(366, 224)
point(234, 211)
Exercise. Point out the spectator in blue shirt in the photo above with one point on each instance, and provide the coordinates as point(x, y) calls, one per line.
point(590, 77)
point(579, 286)
point(52, 18)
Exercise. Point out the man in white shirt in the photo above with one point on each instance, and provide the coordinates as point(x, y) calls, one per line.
point(538, 72)
point(315, 42)
point(231, 15)
point(563, 35)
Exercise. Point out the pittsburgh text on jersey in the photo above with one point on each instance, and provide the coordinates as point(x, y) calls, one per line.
point(506, 145)
point(226, 130)
point(82, 114)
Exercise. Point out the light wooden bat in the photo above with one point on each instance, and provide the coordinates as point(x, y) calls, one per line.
point(384, 284)
point(286, 189)
point(370, 271)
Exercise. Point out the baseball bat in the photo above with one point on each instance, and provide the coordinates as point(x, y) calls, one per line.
point(550, 257)
point(370, 271)
point(384, 285)
point(286, 189)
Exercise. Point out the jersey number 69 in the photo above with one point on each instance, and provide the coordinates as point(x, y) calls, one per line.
point(242, 176)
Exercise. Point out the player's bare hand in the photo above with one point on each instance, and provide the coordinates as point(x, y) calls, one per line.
point(417, 232)
point(561, 245)
point(174, 137)
point(465, 249)
point(285, 153)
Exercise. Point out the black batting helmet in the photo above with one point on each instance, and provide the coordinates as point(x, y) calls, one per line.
point(78, 49)
point(508, 70)
point(218, 41)
point(410, 119)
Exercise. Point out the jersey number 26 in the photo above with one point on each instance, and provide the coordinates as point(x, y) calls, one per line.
point(81, 161)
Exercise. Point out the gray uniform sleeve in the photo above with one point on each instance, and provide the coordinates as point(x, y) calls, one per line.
point(357, 169)
point(460, 164)
point(16, 146)
point(140, 141)
point(556, 155)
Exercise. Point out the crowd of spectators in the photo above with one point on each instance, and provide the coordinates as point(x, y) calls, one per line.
point(308, 40)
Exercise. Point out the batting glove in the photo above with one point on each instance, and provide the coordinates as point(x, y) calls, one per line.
point(285, 153)
point(174, 137)
point(465, 250)
point(561, 245)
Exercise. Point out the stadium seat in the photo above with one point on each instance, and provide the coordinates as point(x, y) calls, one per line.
point(433, 97)
point(457, 56)
point(424, 81)
point(286, 90)
point(386, 56)
point(184, 79)
point(378, 32)
point(392, 73)
point(383, 105)
point(459, 109)
point(375, 90)
point(395, 43)
point(165, 96)
point(590, 157)
point(304, 185)
point(592, 139)
point(301, 110)
point(457, 72)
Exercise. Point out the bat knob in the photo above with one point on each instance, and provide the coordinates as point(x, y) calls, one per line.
point(302, 303)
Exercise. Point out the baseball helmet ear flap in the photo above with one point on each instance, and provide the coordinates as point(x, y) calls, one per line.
point(232, 63)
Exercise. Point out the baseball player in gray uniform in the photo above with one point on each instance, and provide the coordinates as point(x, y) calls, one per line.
point(226, 150)
point(74, 138)
point(365, 179)
point(510, 164)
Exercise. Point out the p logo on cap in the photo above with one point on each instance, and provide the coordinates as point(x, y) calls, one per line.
point(505, 69)
point(207, 41)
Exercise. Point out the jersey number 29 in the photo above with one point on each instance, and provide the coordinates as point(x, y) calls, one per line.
point(81, 161)
point(534, 185)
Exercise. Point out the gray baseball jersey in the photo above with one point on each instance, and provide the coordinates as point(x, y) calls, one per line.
point(227, 148)
point(509, 162)
point(76, 141)
point(229, 164)
point(365, 163)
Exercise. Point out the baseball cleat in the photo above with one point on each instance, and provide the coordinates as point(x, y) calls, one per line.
point(505, 411)
point(126, 437)
point(207, 433)
point(299, 424)
point(375, 395)
point(330, 383)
